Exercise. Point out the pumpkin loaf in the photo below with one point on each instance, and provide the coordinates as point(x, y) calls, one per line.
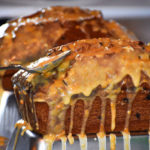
point(102, 86)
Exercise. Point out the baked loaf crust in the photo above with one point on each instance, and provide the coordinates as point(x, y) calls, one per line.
point(102, 86)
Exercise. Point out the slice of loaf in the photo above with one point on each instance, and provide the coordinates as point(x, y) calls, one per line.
point(101, 87)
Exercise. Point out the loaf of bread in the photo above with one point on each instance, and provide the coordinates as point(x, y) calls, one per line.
point(28, 38)
point(101, 86)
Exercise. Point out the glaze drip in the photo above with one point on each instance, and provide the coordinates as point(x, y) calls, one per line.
point(70, 137)
point(103, 111)
point(126, 138)
point(87, 109)
point(112, 141)
point(34, 110)
point(113, 97)
point(24, 125)
point(102, 140)
point(101, 135)
point(63, 141)
point(16, 138)
point(83, 141)
point(82, 136)
point(49, 139)
point(131, 97)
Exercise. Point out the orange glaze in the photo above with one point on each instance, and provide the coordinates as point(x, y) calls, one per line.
point(63, 140)
point(126, 138)
point(70, 137)
point(49, 139)
point(102, 140)
point(83, 141)
point(113, 111)
point(112, 142)
point(22, 123)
